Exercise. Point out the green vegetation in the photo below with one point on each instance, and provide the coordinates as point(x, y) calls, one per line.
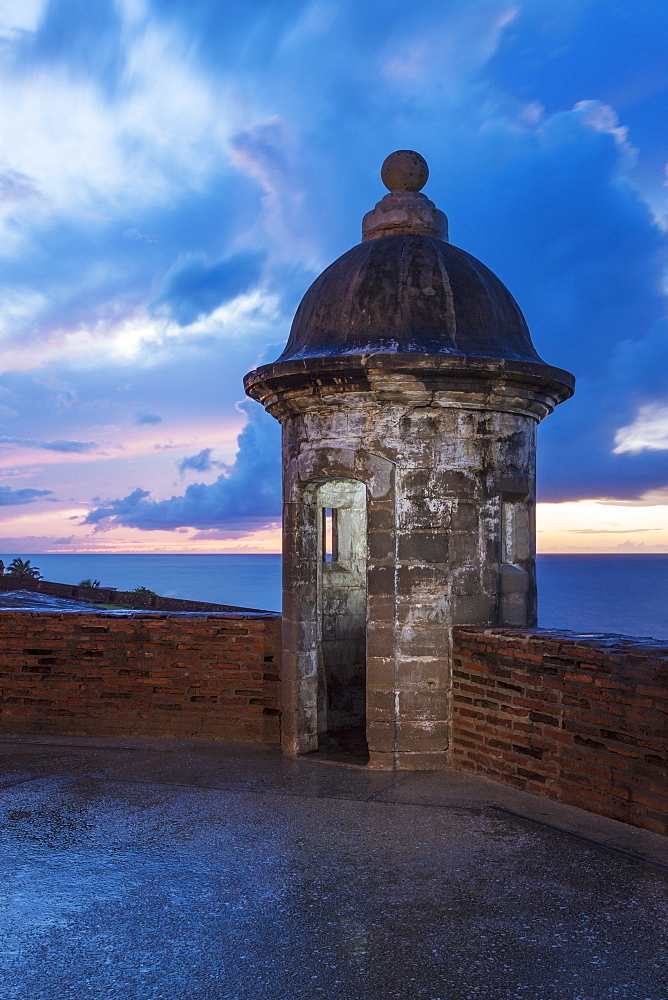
point(89, 583)
point(22, 570)
point(145, 591)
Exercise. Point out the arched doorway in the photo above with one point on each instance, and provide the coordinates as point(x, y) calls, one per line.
point(341, 614)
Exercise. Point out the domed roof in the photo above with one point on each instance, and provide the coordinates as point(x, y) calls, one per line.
point(405, 290)
point(409, 294)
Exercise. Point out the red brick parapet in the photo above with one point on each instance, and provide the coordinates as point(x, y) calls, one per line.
point(212, 676)
point(581, 719)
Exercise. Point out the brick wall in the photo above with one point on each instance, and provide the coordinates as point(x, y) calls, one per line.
point(582, 720)
point(214, 676)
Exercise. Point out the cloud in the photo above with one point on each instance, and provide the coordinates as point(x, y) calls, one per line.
point(61, 393)
point(127, 100)
point(648, 432)
point(135, 234)
point(251, 489)
point(108, 126)
point(10, 497)
point(454, 51)
point(239, 528)
point(201, 462)
point(74, 447)
point(174, 175)
point(268, 153)
point(607, 531)
point(15, 186)
point(195, 287)
point(586, 267)
point(19, 16)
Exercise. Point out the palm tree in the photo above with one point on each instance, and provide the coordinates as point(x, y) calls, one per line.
point(89, 583)
point(22, 569)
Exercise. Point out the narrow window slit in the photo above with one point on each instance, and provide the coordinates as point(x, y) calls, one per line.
point(507, 532)
point(330, 539)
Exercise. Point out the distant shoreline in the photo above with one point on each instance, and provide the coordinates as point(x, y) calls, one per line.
point(6, 554)
point(622, 593)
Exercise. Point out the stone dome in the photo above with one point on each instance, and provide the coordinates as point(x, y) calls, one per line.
point(409, 294)
point(405, 304)
point(406, 290)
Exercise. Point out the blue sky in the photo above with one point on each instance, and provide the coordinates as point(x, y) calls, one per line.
point(174, 175)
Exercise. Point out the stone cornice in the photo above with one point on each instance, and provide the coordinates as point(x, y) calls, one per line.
point(297, 386)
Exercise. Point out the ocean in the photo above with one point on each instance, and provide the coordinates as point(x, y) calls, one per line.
point(625, 594)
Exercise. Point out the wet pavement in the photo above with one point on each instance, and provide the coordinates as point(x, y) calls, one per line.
point(151, 869)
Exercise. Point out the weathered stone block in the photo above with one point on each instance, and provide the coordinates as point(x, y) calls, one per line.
point(424, 546)
point(426, 512)
point(474, 610)
point(381, 608)
point(377, 472)
point(428, 672)
point(513, 485)
point(422, 704)
point(379, 705)
point(427, 581)
point(380, 672)
point(380, 736)
point(380, 581)
point(464, 548)
point(466, 580)
point(513, 609)
point(414, 483)
point(425, 639)
point(381, 516)
point(421, 737)
point(381, 545)
point(326, 463)
point(513, 580)
point(429, 609)
point(381, 761)
point(458, 484)
point(410, 761)
point(464, 517)
point(380, 639)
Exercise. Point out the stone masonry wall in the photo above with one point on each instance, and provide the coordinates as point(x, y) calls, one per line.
point(438, 479)
point(212, 676)
point(580, 719)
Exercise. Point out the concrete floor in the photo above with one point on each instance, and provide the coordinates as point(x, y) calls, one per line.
point(184, 870)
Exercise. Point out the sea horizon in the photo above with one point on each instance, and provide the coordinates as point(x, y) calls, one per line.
point(582, 592)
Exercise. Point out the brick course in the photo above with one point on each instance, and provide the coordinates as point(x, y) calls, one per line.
point(579, 719)
point(213, 676)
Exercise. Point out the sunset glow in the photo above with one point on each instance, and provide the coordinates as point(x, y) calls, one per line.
point(173, 177)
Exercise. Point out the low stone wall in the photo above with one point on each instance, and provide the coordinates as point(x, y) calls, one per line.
point(214, 676)
point(109, 595)
point(579, 719)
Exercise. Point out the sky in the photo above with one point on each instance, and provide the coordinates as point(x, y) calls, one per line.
point(175, 173)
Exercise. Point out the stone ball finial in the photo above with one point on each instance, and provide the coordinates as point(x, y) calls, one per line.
point(405, 210)
point(404, 170)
